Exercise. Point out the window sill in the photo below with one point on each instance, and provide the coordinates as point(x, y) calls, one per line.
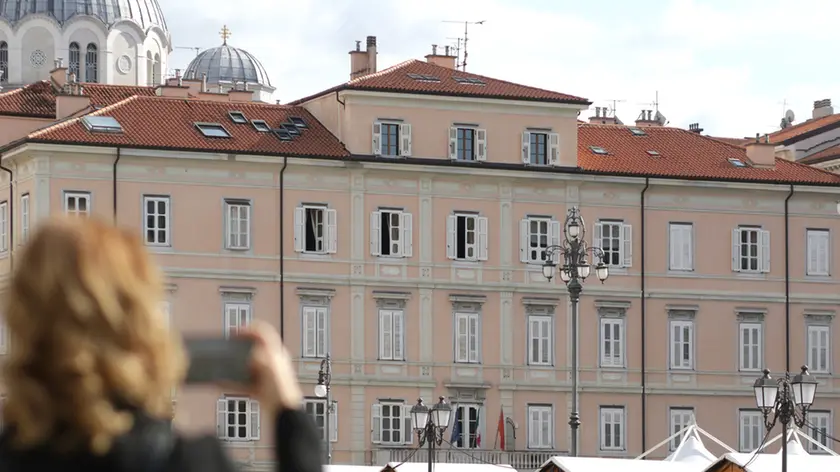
point(238, 249)
point(680, 271)
point(466, 263)
point(392, 258)
point(159, 248)
point(617, 270)
point(820, 277)
point(394, 446)
point(464, 364)
point(541, 366)
point(751, 275)
point(392, 361)
point(315, 255)
point(612, 368)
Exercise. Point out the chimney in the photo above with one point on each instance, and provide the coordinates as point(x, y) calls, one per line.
point(695, 128)
point(371, 54)
point(444, 60)
point(173, 87)
point(242, 94)
point(359, 63)
point(58, 75)
point(822, 108)
point(602, 117)
point(70, 101)
point(645, 119)
point(204, 83)
point(761, 152)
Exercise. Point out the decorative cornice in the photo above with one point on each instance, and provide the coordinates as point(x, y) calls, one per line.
point(459, 298)
point(540, 301)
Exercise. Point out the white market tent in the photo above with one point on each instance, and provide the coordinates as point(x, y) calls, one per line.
point(798, 458)
point(445, 467)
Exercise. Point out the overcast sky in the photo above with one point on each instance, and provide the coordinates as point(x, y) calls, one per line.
point(732, 66)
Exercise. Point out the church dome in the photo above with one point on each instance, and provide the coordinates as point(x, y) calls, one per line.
point(146, 13)
point(227, 64)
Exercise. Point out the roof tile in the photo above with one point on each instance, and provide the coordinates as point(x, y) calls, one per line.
point(802, 128)
point(38, 100)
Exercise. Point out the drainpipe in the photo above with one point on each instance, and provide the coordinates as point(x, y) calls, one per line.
point(282, 252)
point(644, 318)
point(114, 182)
point(11, 218)
point(787, 280)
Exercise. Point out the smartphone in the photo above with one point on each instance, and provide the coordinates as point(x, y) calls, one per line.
point(215, 360)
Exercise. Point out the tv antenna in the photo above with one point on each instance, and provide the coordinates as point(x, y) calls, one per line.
point(457, 46)
point(615, 102)
point(467, 24)
point(657, 116)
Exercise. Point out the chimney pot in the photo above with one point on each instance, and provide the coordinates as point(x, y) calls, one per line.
point(371, 41)
point(446, 48)
point(597, 112)
point(434, 49)
point(178, 73)
point(358, 45)
point(278, 102)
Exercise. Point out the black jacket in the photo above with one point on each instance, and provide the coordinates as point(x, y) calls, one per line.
point(151, 447)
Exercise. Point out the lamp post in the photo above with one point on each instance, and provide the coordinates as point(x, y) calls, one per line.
point(430, 424)
point(571, 257)
point(323, 390)
point(785, 400)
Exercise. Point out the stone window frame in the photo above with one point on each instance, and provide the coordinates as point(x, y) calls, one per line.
point(391, 300)
point(318, 298)
point(821, 318)
point(544, 307)
point(682, 313)
point(751, 315)
point(470, 305)
point(612, 310)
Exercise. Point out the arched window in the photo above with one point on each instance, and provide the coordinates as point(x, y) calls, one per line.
point(75, 60)
point(150, 69)
point(92, 63)
point(4, 62)
point(157, 69)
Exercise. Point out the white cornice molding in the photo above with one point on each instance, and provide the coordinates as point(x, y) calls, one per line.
point(435, 101)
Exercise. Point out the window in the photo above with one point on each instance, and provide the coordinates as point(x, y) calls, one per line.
point(615, 238)
point(212, 130)
point(465, 431)
point(612, 342)
point(679, 419)
point(391, 139)
point(316, 230)
point(102, 124)
point(237, 224)
point(540, 148)
point(819, 254)
point(750, 250)
point(237, 117)
point(75, 60)
point(612, 429)
point(4, 226)
point(466, 237)
point(540, 340)
point(317, 408)
point(77, 203)
point(467, 337)
point(681, 246)
point(237, 317)
point(536, 234)
point(391, 423)
point(540, 427)
point(24, 218)
point(599, 150)
point(682, 345)
point(92, 64)
point(156, 221)
point(315, 343)
point(238, 419)
point(390, 233)
point(819, 428)
point(391, 335)
point(261, 126)
point(819, 349)
point(750, 430)
point(166, 313)
point(749, 345)
point(467, 144)
point(4, 62)
point(737, 162)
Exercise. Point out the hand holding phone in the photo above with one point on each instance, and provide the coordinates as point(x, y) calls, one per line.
point(219, 360)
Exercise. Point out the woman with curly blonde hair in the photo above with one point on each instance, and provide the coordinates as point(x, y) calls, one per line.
point(92, 364)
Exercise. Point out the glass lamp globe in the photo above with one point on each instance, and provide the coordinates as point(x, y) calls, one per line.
point(320, 390)
point(573, 229)
point(804, 388)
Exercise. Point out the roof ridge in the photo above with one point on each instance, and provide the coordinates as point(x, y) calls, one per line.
point(232, 105)
point(100, 112)
point(23, 89)
point(507, 82)
point(384, 71)
point(799, 164)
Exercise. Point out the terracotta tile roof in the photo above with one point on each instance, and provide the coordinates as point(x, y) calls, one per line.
point(38, 100)
point(827, 154)
point(805, 127)
point(169, 123)
point(449, 82)
point(681, 154)
point(732, 141)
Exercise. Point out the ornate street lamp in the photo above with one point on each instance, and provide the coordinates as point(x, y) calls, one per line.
point(323, 390)
point(430, 424)
point(571, 256)
point(785, 400)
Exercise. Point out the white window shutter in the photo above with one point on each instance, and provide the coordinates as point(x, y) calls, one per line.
point(254, 411)
point(482, 237)
point(408, 430)
point(597, 232)
point(674, 247)
point(375, 145)
point(300, 234)
point(481, 145)
point(523, 239)
point(332, 230)
point(764, 240)
point(398, 336)
point(453, 143)
point(824, 253)
point(554, 148)
point(310, 331)
point(688, 246)
point(736, 250)
point(812, 251)
point(221, 418)
point(405, 140)
point(376, 423)
point(334, 422)
point(375, 233)
point(554, 238)
point(627, 236)
point(526, 147)
point(451, 236)
point(407, 230)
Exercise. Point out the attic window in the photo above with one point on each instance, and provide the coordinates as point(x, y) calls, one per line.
point(654, 153)
point(737, 162)
point(102, 124)
point(291, 128)
point(298, 121)
point(261, 126)
point(469, 80)
point(238, 117)
point(283, 134)
point(638, 132)
point(424, 78)
point(212, 130)
point(598, 150)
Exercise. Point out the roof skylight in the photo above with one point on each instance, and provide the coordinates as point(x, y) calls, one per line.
point(598, 150)
point(102, 124)
point(638, 132)
point(283, 134)
point(469, 80)
point(424, 77)
point(212, 130)
point(737, 162)
point(298, 121)
point(261, 126)
point(238, 117)
point(653, 153)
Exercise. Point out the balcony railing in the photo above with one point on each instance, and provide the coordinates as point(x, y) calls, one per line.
point(519, 460)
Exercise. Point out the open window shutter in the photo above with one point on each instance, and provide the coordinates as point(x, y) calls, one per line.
point(688, 246)
point(764, 240)
point(375, 234)
point(376, 423)
point(526, 148)
point(221, 416)
point(406, 226)
point(481, 145)
point(597, 232)
point(453, 143)
point(405, 140)
point(482, 237)
point(812, 245)
point(627, 237)
point(332, 230)
point(398, 335)
point(554, 148)
point(408, 430)
point(300, 234)
point(334, 422)
point(554, 239)
point(675, 247)
point(736, 250)
point(375, 145)
point(255, 420)
point(310, 331)
point(451, 226)
point(523, 240)
point(824, 253)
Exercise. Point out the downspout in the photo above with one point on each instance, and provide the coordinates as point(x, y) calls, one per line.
point(282, 252)
point(11, 219)
point(114, 182)
point(787, 280)
point(644, 318)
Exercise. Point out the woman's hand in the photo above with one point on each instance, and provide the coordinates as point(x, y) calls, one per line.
point(273, 379)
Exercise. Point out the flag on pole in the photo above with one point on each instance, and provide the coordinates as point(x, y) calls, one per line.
point(500, 430)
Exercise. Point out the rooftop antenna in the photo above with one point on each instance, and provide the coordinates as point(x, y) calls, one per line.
point(457, 46)
point(467, 24)
point(615, 102)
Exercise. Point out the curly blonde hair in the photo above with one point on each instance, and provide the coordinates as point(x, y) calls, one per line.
point(88, 338)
